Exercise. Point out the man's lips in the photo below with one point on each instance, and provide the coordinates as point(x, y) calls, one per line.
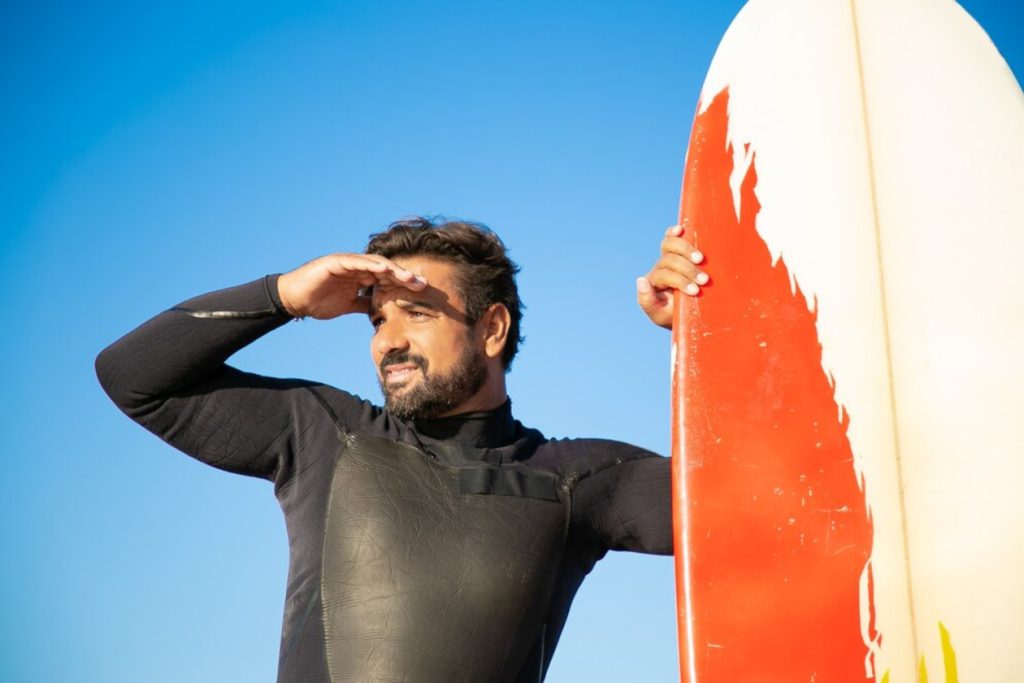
point(399, 372)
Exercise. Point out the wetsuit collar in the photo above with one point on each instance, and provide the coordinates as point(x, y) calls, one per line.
point(483, 429)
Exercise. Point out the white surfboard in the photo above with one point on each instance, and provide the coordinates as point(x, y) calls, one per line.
point(855, 178)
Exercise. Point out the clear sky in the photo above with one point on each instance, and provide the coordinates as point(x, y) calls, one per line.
point(153, 151)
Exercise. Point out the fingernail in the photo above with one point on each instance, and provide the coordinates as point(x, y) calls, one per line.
point(692, 289)
point(642, 285)
point(702, 278)
point(696, 256)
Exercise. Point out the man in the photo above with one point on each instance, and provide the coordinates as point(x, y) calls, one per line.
point(435, 539)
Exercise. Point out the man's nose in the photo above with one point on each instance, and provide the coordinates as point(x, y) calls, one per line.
point(390, 337)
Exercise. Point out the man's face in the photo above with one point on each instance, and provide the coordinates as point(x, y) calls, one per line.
point(429, 359)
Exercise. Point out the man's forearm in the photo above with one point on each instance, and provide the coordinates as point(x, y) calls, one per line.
point(169, 376)
point(187, 343)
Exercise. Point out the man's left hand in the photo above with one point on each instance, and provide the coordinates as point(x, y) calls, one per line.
point(676, 270)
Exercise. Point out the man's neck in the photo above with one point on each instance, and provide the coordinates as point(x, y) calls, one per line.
point(491, 396)
point(478, 429)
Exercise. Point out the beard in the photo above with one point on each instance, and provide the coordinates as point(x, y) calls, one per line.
point(434, 395)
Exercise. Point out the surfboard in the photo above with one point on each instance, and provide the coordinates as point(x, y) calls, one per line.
point(848, 458)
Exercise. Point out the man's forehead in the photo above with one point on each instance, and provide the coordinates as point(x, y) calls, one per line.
point(440, 293)
point(429, 296)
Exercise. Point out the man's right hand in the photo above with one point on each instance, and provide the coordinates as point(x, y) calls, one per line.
point(330, 286)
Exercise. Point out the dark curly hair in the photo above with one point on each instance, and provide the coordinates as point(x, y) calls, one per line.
point(485, 273)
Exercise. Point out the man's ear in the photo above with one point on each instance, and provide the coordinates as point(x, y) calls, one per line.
point(495, 324)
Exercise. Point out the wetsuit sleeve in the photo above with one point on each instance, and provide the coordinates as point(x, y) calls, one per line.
point(170, 376)
point(626, 504)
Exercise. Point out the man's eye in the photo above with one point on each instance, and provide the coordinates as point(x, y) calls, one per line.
point(376, 322)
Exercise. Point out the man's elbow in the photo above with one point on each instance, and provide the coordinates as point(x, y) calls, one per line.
point(114, 378)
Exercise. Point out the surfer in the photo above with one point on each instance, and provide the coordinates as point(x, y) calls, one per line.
point(435, 538)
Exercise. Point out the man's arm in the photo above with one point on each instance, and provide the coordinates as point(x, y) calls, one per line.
point(627, 504)
point(170, 375)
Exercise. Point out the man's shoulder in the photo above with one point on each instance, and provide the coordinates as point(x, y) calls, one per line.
point(349, 411)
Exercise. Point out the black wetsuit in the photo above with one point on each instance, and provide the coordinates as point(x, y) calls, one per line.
point(436, 550)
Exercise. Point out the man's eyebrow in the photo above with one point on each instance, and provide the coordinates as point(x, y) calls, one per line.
point(416, 303)
point(406, 304)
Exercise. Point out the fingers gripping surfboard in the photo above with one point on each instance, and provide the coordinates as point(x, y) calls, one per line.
point(847, 447)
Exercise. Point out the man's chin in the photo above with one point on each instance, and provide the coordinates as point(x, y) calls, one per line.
point(398, 389)
point(400, 399)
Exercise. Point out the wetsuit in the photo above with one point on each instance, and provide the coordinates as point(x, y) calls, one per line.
point(423, 551)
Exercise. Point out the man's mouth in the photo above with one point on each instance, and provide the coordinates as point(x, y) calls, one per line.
point(397, 373)
point(398, 369)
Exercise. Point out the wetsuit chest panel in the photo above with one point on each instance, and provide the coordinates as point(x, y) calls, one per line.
point(424, 583)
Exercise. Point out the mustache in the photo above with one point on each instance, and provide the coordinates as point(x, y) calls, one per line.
point(400, 357)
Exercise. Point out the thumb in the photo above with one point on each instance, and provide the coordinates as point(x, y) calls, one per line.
point(645, 294)
point(657, 305)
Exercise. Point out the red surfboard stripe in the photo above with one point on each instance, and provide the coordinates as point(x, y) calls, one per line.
point(779, 533)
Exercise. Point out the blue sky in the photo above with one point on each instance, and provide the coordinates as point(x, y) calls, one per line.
point(155, 151)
